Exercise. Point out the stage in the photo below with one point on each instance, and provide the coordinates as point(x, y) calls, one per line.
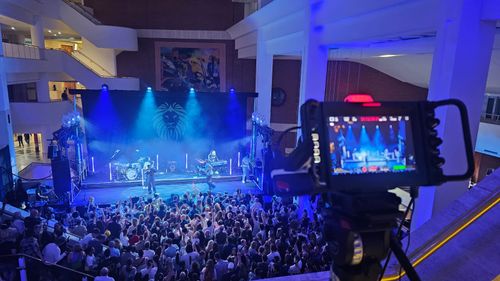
point(113, 193)
point(105, 181)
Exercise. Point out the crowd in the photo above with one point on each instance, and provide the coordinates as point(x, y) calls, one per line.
point(195, 236)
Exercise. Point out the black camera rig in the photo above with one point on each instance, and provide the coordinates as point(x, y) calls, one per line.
point(352, 154)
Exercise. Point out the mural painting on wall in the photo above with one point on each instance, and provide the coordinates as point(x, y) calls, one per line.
point(184, 65)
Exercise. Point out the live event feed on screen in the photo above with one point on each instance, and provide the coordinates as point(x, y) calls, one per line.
point(370, 144)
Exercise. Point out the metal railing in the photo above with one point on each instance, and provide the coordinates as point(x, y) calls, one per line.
point(25, 267)
point(443, 237)
point(90, 63)
point(20, 51)
point(490, 118)
point(82, 63)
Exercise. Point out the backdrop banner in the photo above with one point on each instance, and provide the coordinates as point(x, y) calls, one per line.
point(127, 125)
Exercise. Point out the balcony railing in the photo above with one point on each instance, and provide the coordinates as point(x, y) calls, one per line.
point(25, 267)
point(91, 64)
point(490, 118)
point(82, 11)
point(21, 51)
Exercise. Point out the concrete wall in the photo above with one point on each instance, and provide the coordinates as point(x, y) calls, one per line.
point(240, 73)
point(105, 58)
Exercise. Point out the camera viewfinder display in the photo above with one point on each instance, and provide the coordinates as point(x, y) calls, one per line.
point(370, 144)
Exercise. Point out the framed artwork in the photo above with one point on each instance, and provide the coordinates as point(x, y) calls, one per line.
point(184, 65)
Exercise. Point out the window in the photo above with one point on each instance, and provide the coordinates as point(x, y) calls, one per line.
point(491, 108)
point(25, 92)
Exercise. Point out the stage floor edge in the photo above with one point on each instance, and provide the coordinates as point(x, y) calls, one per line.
point(159, 181)
point(113, 193)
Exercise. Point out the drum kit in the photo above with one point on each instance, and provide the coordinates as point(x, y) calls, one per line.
point(126, 171)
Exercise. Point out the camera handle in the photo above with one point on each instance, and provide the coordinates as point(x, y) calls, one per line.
point(467, 138)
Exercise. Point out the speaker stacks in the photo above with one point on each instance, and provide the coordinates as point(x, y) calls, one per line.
point(61, 176)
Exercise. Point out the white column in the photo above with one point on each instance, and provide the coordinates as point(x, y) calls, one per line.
point(6, 135)
point(459, 70)
point(42, 88)
point(314, 62)
point(263, 86)
point(312, 78)
point(37, 36)
point(263, 79)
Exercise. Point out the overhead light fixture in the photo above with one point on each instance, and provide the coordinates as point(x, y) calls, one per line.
point(13, 28)
point(50, 31)
point(59, 32)
point(389, 55)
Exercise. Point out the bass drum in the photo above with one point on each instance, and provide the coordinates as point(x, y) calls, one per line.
point(131, 174)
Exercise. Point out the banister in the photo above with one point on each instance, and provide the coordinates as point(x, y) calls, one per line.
point(47, 264)
point(443, 237)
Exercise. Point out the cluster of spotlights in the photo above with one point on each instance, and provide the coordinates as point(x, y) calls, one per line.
point(71, 119)
point(258, 119)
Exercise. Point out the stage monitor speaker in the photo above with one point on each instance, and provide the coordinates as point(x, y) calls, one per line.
point(52, 152)
point(6, 180)
point(61, 176)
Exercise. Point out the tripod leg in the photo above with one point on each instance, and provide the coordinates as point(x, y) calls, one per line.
point(403, 260)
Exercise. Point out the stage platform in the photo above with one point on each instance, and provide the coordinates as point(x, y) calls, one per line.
point(103, 181)
point(115, 192)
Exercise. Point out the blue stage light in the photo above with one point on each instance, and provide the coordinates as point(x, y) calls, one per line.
point(105, 87)
point(191, 91)
point(149, 89)
point(232, 91)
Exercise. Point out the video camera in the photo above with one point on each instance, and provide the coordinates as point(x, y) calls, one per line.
point(352, 153)
point(367, 147)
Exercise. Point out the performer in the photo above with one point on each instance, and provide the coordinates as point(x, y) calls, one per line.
point(150, 177)
point(212, 156)
point(210, 174)
point(147, 163)
point(245, 166)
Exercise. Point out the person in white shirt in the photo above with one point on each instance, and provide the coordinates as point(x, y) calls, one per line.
point(18, 223)
point(87, 238)
point(52, 253)
point(296, 267)
point(104, 275)
point(148, 253)
point(274, 253)
point(190, 256)
point(150, 270)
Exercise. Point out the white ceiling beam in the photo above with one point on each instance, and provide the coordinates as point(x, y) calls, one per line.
point(335, 10)
point(401, 47)
point(284, 26)
point(275, 10)
point(292, 44)
point(15, 12)
point(380, 25)
point(246, 40)
point(247, 52)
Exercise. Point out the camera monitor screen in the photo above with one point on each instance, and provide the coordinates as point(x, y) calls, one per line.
point(370, 144)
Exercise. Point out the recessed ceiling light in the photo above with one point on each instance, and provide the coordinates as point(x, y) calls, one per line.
point(59, 32)
point(50, 31)
point(389, 56)
point(13, 28)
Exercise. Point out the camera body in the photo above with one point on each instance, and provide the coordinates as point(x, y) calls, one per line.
point(367, 147)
